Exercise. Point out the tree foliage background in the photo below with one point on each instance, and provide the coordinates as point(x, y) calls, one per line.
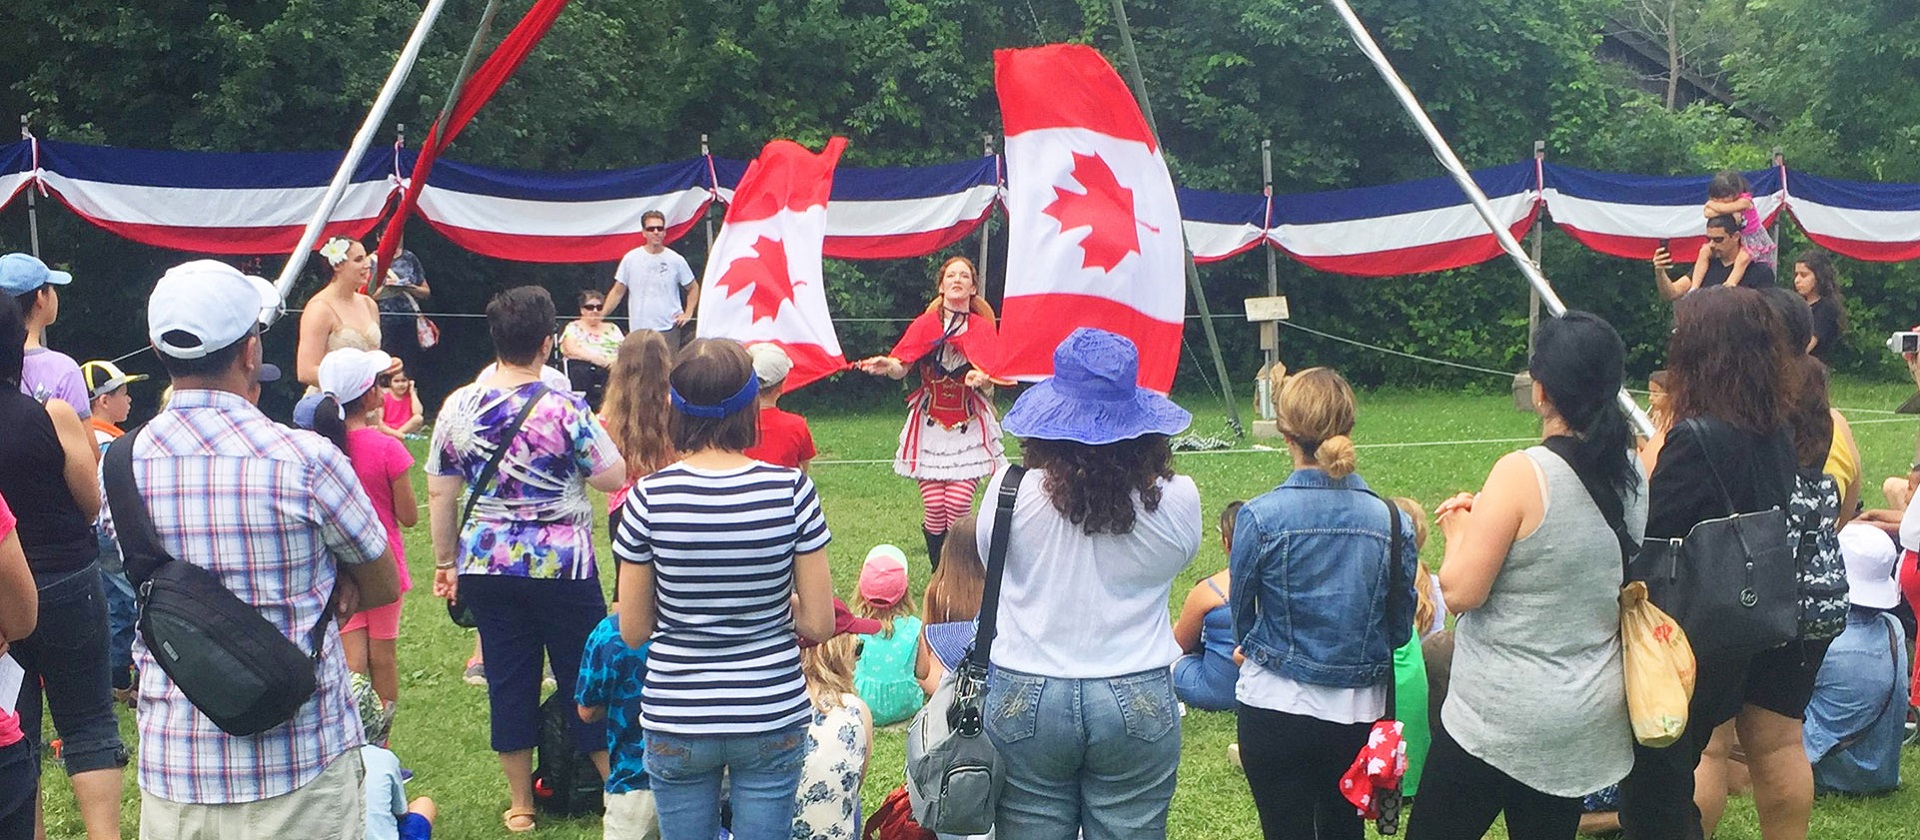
point(627, 82)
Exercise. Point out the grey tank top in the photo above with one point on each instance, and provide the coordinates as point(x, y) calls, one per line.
point(1537, 688)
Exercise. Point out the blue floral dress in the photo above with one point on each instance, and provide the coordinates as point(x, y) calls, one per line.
point(827, 805)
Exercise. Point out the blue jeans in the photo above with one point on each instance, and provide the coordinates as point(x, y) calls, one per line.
point(68, 650)
point(122, 612)
point(763, 772)
point(1093, 758)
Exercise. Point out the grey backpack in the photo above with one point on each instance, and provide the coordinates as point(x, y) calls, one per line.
point(953, 771)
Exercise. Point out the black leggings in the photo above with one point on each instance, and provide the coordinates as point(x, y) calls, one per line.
point(1293, 765)
point(1460, 795)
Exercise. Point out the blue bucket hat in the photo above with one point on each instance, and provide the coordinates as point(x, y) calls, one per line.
point(1094, 396)
point(23, 273)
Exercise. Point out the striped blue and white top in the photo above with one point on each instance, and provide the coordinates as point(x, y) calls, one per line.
point(724, 659)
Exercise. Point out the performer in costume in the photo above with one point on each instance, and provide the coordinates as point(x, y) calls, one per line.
point(951, 439)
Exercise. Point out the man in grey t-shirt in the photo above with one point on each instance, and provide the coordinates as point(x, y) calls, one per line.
point(655, 274)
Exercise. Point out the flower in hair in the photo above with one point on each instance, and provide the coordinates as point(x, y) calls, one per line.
point(335, 250)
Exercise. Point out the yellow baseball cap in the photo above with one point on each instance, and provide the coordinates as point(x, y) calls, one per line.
point(104, 378)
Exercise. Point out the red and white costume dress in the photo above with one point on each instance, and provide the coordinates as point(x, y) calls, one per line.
point(951, 433)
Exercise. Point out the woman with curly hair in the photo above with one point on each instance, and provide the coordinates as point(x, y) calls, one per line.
point(951, 439)
point(1729, 367)
point(1319, 605)
point(1080, 703)
point(1819, 285)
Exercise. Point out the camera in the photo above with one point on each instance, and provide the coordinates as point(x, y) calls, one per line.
point(1904, 342)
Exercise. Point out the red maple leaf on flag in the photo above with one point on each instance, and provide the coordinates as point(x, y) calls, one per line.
point(766, 272)
point(1105, 208)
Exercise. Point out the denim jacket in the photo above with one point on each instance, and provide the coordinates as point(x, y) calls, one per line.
point(1311, 595)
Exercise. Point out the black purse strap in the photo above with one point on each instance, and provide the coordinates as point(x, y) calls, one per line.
point(1615, 513)
point(980, 653)
point(1396, 581)
point(1700, 431)
point(140, 541)
point(492, 466)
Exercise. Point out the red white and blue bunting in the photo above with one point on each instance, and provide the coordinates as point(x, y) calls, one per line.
point(255, 203)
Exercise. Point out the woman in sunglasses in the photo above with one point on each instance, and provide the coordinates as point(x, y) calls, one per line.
point(590, 344)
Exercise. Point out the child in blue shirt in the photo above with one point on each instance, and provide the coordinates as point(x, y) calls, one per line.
point(389, 815)
point(609, 689)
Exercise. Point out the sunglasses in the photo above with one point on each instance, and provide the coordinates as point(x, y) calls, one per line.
point(654, 228)
point(590, 307)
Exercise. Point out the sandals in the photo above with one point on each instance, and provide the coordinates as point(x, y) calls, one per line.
point(518, 820)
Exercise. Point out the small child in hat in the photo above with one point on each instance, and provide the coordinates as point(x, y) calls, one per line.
point(884, 677)
point(785, 439)
point(390, 816)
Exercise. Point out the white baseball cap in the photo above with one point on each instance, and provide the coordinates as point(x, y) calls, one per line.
point(205, 306)
point(349, 372)
point(1870, 556)
point(771, 364)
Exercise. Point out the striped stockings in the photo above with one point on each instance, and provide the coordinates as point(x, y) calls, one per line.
point(944, 502)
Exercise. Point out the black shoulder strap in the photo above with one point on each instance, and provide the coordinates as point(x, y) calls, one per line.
point(140, 541)
point(1612, 508)
point(982, 648)
point(1396, 582)
point(1701, 431)
point(492, 467)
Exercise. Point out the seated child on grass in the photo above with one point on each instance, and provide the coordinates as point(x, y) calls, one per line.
point(389, 815)
point(884, 677)
point(609, 689)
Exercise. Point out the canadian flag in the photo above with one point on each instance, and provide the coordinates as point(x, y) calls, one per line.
point(763, 277)
point(1093, 226)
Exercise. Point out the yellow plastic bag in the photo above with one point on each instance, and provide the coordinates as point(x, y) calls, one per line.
point(1659, 665)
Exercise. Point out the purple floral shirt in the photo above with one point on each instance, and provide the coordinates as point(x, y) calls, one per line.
point(535, 521)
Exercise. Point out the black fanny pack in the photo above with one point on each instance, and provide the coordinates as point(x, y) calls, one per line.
point(233, 664)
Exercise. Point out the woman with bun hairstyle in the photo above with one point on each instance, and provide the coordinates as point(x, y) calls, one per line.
point(951, 439)
point(1318, 608)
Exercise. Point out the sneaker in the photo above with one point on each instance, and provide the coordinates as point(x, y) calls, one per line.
point(476, 673)
point(547, 682)
point(406, 775)
point(1233, 755)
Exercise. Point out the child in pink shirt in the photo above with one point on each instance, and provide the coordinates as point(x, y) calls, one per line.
point(346, 415)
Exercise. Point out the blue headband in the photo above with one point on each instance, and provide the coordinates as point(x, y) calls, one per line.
point(740, 399)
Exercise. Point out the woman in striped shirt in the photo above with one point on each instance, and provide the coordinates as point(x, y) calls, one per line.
point(725, 558)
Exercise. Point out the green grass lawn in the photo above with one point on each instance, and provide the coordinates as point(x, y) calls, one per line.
point(441, 732)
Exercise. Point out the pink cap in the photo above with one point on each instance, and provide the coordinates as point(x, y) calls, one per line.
point(883, 578)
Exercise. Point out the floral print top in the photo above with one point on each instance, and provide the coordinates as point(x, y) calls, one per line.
point(535, 520)
point(827, 803)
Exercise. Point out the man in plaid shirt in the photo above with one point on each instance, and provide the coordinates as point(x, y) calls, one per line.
point(280, 517)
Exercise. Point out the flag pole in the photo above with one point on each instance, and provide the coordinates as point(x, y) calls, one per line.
point(361, 140)
point(1458, 171)
point(986, 223)
point(1193, 271)
point(33, 207)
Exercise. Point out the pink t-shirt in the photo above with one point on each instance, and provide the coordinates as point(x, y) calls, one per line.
point(9, 721)
point(379, 459)
point(395, 411)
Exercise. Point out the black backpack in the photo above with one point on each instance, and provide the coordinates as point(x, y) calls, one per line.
point(565, 782)
point(233, 664)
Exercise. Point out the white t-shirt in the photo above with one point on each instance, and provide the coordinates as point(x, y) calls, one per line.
point(1264, 689)
point(386, 793)
point(1088, 607)
point(653, 284)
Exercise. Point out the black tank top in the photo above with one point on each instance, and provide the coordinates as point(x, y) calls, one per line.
point(33, 478)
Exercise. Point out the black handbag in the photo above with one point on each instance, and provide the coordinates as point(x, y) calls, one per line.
point(233, 665)
point(1731, 582)
point(457, 610)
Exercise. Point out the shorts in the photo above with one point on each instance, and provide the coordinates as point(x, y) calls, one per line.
point(331, 806)
point(415, 827)
point(1781, 680)
point(381, 623)
point(631, 816)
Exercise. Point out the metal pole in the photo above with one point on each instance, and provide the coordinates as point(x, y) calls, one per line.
point(1456, 169)
point(707, 217)
point(1780, 166)
point(33, 206)
point(986, 224)
point(1193, 271)
point(1533, 295)
point(361, 140)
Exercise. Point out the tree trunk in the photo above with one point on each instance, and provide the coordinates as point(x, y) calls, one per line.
point(1673, 54)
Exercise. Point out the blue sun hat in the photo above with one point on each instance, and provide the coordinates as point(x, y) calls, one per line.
point(1094, 396)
